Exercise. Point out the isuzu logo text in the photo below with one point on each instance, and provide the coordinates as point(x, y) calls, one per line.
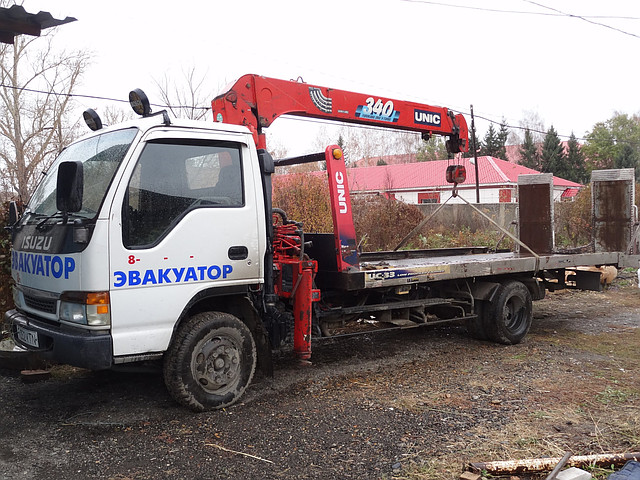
point(36, 242)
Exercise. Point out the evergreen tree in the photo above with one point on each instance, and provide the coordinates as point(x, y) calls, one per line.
point(552, 156)
point(529, 156)
point(478, 145)
point(380, 162)
point(503, 136)
point(627, 158)
point(494, 143)
point(490, 143)
point(342, 144)
point(432, 149)
point(575, 161)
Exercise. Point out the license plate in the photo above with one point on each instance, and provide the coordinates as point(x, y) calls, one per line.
point(27, 336)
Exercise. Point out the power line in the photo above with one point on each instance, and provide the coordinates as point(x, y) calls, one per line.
point(292, 117)
point(584, 18)
point(96, 97)
point(518, 127)
point(327, 122)
point(533, 130)
point(521, 12)
point(556, 13)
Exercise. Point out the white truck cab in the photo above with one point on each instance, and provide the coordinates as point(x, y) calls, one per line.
point(167, 216)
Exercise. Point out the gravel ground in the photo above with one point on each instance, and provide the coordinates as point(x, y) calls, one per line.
point(408, 404)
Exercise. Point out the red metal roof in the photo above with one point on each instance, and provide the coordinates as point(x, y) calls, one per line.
point(412, 176)
point(570, 192)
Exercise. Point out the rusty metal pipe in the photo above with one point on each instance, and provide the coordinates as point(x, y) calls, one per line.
point(530, 465)
point(559, 466)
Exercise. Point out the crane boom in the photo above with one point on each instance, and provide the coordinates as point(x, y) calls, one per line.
point(256, 101)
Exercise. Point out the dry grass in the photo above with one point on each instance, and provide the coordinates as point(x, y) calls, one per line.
point(580, 393)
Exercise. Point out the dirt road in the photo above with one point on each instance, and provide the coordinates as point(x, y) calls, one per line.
point(413, 404)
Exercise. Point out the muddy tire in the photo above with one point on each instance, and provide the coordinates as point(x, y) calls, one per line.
point(475, 326)
point(508, 317)
point(210, 362)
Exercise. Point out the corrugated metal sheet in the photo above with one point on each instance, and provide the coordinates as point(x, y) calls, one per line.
point(16, 21)
point(569, 192)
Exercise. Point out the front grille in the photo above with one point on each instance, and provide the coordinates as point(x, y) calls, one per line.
point(43, 304)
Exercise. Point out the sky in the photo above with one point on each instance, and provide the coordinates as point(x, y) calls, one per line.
point(507, 58)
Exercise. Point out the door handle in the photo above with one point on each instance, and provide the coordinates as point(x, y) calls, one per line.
point(238, 252)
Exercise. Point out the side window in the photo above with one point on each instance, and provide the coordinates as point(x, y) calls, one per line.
point(172, 178)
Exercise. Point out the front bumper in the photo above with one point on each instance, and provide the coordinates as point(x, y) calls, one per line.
point(63, 344)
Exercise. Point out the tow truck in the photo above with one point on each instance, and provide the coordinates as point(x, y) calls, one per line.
point(156, 240)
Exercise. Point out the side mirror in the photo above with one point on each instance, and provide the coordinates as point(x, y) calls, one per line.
point(266, 162)
point(13, 213)
point(70, 187)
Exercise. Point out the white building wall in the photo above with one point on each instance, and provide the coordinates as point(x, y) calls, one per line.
point(557, 194)
point(487, 195)
point(407, 197)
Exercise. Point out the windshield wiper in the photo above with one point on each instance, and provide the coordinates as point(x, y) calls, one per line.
point(58, 214)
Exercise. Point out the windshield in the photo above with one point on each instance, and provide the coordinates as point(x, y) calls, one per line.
point(101, 155)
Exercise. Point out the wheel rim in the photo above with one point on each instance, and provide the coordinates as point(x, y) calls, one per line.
point(513, 314)
point(215, 363)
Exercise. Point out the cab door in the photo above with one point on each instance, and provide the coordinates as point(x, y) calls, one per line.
point(186, 220)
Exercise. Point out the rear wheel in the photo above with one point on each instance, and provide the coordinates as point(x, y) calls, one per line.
point(210, 362)
point(508, 317)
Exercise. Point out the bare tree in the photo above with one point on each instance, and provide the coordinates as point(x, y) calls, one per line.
point(388, 181)
point(532, 121)
point(369, 143)
point(112, 115)
point(189, 97)
point(35, 100)
point(276, 148)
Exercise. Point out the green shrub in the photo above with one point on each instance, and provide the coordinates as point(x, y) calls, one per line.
point(572, 220)
point(381, 223)
point(442, 237)
point(304, 198)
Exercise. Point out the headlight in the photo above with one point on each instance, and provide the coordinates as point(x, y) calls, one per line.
point(17, 298)
point(91, 309)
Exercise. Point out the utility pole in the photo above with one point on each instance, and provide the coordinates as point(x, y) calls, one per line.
point(475, 154)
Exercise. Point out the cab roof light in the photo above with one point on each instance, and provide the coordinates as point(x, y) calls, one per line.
point(92, 119)
point(140, 104)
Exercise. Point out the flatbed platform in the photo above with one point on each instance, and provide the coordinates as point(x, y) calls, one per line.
point(395, 271)
point(385, 269)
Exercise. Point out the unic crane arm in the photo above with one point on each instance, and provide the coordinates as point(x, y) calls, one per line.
point(256, 101)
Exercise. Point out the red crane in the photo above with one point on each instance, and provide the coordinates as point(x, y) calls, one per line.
point(256, 101)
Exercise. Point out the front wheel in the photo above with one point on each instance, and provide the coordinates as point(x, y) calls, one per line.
point(507, 318)
point(210, 362)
